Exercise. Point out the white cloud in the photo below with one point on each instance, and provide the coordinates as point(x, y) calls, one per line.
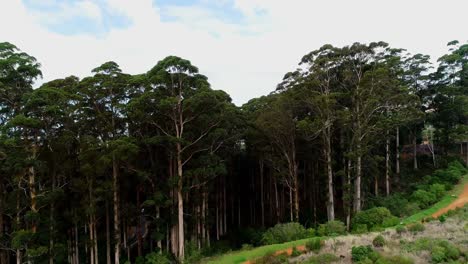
point(247, 59)
point(69, 10)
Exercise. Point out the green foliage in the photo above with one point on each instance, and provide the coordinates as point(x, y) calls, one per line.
point(359, 253)
point(295, 252)
point(360, 229)
point(416, 227)
point(332, 228)
point(315, 244)
point(322, 259)
point(394, 260)
point(438, 190)
point(378, 241)
point(376, 217)
point(272, 259)
point(284, 232)
point(21, 238)
point(156, 258)
point(423, 198)
point(400, 229)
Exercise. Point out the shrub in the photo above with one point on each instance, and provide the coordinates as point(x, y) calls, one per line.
point(281, 233)
point(438, 190)
point(416, 227)
point(400, 229)
point(361, 252)
point(438, 254)
point(295, 252)
point(246, 247)
point(394, 260)
point(373, 217)
point(378, 241)
point(412, 208)
point(360, 229)
point(322, 259)
point(272, 259)
point(390, 221)
point(156, 258)
point(442, 218)
point(332, 228)
point(315, 244)
point(423, 198)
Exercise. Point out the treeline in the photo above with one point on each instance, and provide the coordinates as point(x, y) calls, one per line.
point(115, 166)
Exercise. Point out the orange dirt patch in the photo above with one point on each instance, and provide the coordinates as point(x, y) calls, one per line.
point(287, 251)
point(459, 202)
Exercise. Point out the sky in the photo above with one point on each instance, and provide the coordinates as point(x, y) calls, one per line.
point(244, 46)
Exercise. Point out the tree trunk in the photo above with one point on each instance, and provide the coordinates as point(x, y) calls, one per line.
point(108, 242)
point(115, 183)
point(330, 203)
point(291, 204)
point(387, 165)
point(348, 207)
point(357, 182)
point(277, 206)
point(3, 253)
point(261, 192)
point(397, 153)
point(180, 204)
point(415, 153)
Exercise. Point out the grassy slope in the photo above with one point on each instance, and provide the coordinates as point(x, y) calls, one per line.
point(244, 255)
point(445, 201)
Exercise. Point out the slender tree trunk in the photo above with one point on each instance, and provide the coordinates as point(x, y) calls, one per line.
point(77, 251)
point(357, 182)
point(415, 153)
point(348, 207)
point(277, 206)
point(108, 242)
point(387, 165)
point(397, 153)
point(18, 220)
point(115, 183)
point(139, 225)
point(3, 253)
point(261, 191)
point(330, 203)
point(291, 204)
point(180, 203)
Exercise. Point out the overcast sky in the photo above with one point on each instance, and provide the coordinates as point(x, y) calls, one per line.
point(243, 46)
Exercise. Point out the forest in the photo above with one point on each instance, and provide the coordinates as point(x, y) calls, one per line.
point(160, 166)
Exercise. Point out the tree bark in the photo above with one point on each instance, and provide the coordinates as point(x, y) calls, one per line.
point(261, 165)
point(397, 153)
point(387, 165)
point(115, 185)
point(108, 242)
point(415, 153)
point(330, 203)
point(180, 204)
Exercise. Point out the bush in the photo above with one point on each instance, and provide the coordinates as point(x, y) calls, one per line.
point(400, 229)
point(295, 252)
point(416, 227)
point(156, 258)
point(390, 221)
point(315, 244)
point(272, 259)
point(423, 198)
point(360, 229)
point(360, 253)
point(373, 218)
point(322, 259)
point(438, 254)
point(394, 260)
point(442, 218)
point(378, 241)
point(281, 233)
point(438, 190)
point(412, 208)
point(332, 228)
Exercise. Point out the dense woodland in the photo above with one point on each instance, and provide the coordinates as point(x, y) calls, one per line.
point(115, 166)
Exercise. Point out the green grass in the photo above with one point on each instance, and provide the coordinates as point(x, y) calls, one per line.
point(445, 201)
point(244, 255)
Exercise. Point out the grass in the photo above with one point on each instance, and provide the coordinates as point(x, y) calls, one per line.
point(244, 255)
point(444, 202)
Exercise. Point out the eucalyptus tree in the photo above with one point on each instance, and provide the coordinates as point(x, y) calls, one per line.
point(449, 85)
point(185, 110)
